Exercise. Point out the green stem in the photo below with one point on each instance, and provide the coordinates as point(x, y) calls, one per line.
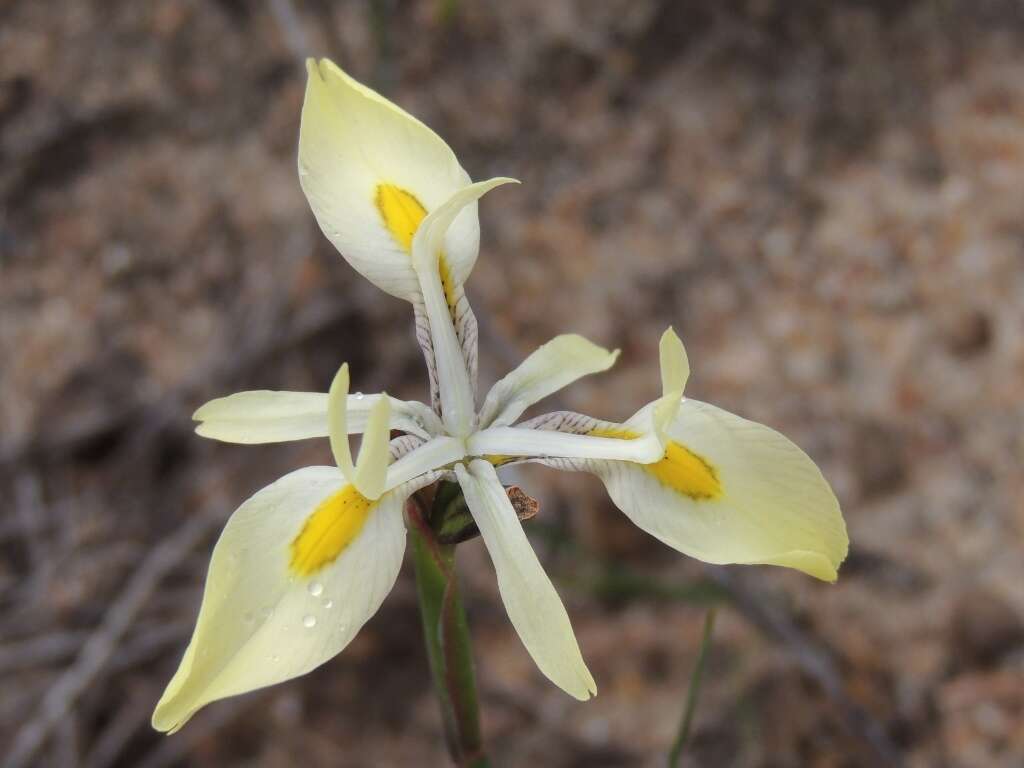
point(692, 692)
point(446, 633)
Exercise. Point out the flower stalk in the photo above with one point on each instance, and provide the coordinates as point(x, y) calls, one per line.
point(445, 629)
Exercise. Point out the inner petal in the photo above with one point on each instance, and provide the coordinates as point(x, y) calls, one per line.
point(334, 524)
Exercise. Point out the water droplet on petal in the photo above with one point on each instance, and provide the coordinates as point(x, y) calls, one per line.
point(316, 589)
point(359, 395)
point(309, 622)
point(329, 604)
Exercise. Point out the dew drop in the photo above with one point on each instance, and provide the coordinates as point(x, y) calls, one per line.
point(329, 604)
point(316, 589)
point(359, 395)
point(309, 622)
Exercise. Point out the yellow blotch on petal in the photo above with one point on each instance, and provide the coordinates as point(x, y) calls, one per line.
point(402, 213)
point(680, 468)
point(329, 530)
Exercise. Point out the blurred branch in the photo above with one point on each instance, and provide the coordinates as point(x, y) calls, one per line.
point(99, 650)
point(294, 34)
point(692, 692)
point(814, 659)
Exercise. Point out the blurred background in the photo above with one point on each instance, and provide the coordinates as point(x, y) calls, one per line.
point(825, 200)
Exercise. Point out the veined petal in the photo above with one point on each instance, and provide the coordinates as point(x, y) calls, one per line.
point(438, 453)
point(264, 416)
point(728, 490)
point(516, 441)
point(531, 601)
point(370, 172)
point(554, 365)
point(298, 569)
point(458, 406)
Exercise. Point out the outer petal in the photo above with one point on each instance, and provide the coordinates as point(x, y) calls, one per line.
point(457, 392)
point(556, 364)
point(261, 622)
point(533, 605)
point(264, 416)
point(732, 491)
point(351, 142)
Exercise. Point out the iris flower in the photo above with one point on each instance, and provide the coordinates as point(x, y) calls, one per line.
point(306, 561)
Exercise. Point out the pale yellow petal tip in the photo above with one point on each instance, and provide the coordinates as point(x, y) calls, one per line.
point(167, 717)
point(204, 411)
point(814, 564)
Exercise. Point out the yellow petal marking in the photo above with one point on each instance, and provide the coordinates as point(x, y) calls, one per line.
point(680, 469)
point(329, 530)
point(403, 213)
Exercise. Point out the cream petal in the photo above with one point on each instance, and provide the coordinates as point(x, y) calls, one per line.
point(375, 452)
point(458, 406)
point(675, 367)
point(516, 441)
point(351, 142)
point(337, 429)
point(267, 617)
point(264, 416)
point(531, 601)
point(551, 367)
point(730, 490)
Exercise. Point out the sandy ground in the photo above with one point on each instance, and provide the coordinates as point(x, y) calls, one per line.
point(825, 200)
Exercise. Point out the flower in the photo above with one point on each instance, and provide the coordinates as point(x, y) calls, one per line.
point(306, 561)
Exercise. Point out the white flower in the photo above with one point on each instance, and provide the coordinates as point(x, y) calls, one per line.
point(306, 561)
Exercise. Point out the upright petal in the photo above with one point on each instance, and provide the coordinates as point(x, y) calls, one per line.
point(458, 406)
point(554, 365)
point(264, 416)
point(374, 454)
point(729, 490)
point(533, 605)
point(299, 568)
point(675, 367)
point(337, 428)
point(371, 172)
